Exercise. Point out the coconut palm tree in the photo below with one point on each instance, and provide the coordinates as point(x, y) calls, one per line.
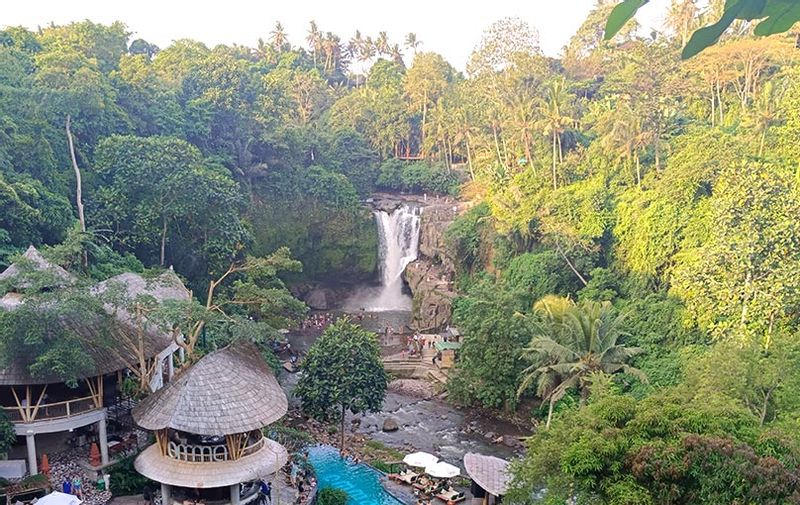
point(554, 110)
point(314, 39)
point(573, 342)
point(279, 40)
point(396, 54)
point(382, 43)
point(412, 42)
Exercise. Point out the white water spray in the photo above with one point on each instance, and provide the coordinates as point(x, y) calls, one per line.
point(398, 235)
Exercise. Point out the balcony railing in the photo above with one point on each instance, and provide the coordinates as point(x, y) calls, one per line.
point(203, 453)
point(50, 411)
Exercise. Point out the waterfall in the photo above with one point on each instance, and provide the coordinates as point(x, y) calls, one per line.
point(398, 245)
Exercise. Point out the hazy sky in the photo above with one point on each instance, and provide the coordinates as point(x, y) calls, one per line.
point(449, 27)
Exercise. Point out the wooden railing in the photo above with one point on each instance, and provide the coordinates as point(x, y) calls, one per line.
point(50, 411)
point(201, 453)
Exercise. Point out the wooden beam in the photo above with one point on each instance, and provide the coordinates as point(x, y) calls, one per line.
point(22, 412)
point(38, 403)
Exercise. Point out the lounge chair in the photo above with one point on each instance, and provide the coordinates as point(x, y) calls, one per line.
point(406, 476)
point(451, 495)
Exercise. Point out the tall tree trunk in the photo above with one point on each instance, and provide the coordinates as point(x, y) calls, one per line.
point(555, 182)
point(497, 145)
point(78, 185)
point(549, 413)
point(424, 118)
point(469, 161)
point(341, 443)
point(163, 241)
point(638, 171)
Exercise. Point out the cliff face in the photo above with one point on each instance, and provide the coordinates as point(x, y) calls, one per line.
point(431, 276)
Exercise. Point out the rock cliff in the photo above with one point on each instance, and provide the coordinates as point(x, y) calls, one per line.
point(431, 276)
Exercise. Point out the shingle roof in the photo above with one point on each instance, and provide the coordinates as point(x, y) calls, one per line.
point(488, 472)
point(261, 464)
point(229, 391)
point(103, 345)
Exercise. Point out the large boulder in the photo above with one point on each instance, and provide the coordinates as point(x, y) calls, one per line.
point(390, 425)
point(320, 298)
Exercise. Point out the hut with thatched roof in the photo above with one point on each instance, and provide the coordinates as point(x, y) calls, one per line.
point(489, 476)
point(43, 402)
point(208, 425)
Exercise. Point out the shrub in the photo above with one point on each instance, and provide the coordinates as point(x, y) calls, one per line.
point(125, 480)
point(331, 496)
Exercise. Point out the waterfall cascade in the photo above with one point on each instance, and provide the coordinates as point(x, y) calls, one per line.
point(398, 235)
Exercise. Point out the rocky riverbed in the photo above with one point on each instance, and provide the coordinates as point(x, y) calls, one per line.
point(426, 423)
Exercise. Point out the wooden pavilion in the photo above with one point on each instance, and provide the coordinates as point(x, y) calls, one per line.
point(208, 427)
point(42, 402)
point(489, 476)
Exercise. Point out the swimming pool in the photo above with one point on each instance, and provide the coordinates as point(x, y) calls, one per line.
point(360, 482)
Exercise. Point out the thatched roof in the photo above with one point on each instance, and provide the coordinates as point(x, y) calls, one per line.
point(229, 391)
point(60, 276)
point(488, 472)
point(263, 463)
point(104, 346)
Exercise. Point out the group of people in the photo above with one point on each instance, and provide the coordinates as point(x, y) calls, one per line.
point(318, 321)
point(416, 343)
point(302, 479)
point(73, 486)
point(351, 459)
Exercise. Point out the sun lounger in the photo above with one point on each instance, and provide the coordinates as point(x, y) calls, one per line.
point(406, 476)
point(451, 495)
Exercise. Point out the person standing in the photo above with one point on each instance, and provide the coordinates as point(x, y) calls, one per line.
point(266, 490)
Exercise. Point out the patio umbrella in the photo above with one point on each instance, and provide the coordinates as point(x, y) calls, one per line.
point(420, 459)
point(442, 470)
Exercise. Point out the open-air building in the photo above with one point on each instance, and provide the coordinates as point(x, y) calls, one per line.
point(490, 478)
point(208, 425)
point(43, 403)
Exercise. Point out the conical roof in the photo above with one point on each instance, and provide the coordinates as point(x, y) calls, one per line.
point(60, 276)
point(229, 391)
point(488, 472)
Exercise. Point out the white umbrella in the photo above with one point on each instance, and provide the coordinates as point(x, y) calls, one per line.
point(420, 459)
point(442, 470)
point(58, 498)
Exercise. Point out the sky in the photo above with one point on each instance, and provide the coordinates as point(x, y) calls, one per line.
point(451, 28)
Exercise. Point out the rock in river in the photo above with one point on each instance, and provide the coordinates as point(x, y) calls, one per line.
point(390, 425)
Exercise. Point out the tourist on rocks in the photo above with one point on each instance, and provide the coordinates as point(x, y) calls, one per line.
point(66, 487)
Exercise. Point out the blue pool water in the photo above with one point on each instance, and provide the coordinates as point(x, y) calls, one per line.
point(360, 482)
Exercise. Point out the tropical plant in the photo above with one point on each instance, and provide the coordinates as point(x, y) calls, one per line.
point(342, 371)
point(573, 342)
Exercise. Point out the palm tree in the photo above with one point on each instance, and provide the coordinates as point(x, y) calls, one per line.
point(623, 135)
point(765, 113)
point(412, 42)
point(314, 39)
point(555, 117)
point(382, 43)
point(279, 37)
point(396, 54)
point(683, 18)
point(573, 342)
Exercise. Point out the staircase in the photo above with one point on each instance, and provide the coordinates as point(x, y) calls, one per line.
point(415, 367)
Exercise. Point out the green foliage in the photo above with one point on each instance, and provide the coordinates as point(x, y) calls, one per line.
point(7, 434)
point(777, 16)
point(126, 480)
point(331, 496)
point(41, 336)
point(668, 446)
point(417, 177)
point(489, 365)
point(342, 371)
